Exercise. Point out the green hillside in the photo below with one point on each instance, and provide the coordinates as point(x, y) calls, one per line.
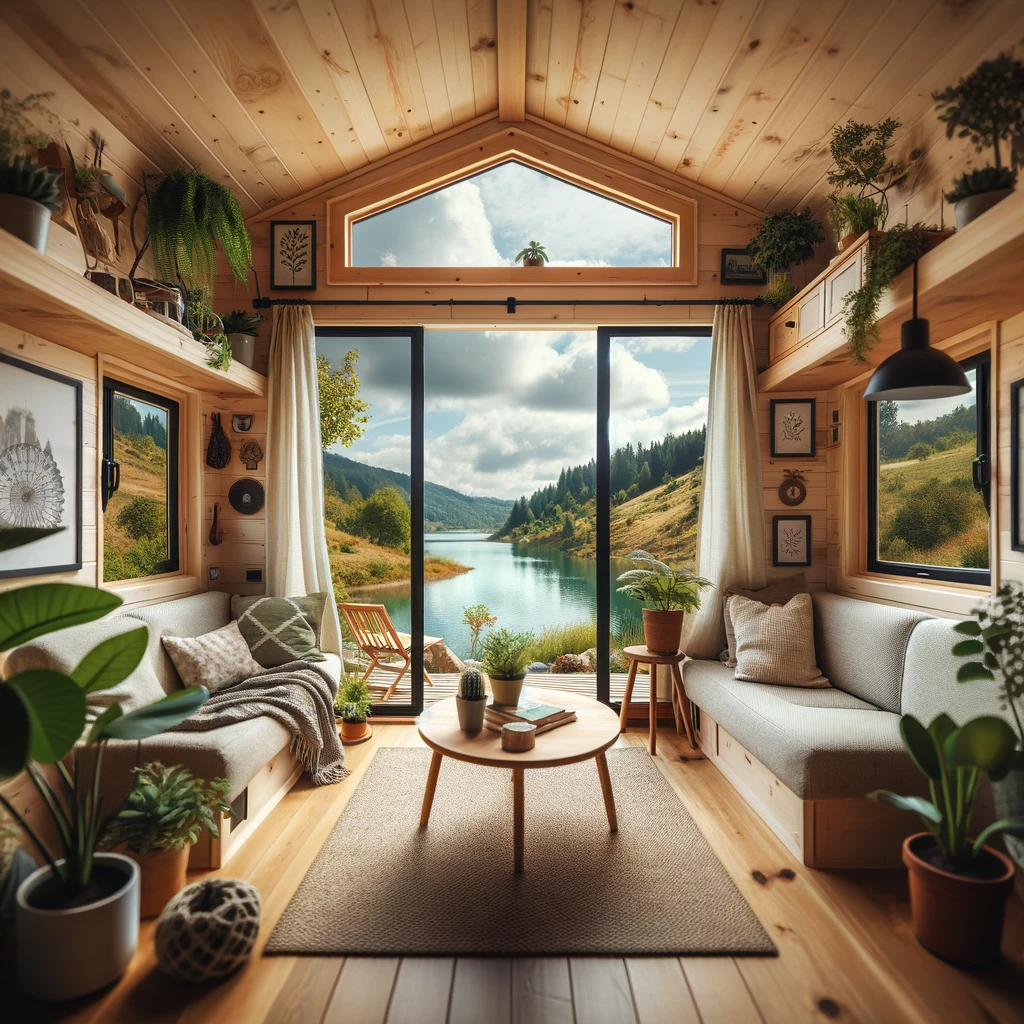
point(443, 508)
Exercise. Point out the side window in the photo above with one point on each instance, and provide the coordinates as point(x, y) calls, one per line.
point(929, 483)
point(139, 483)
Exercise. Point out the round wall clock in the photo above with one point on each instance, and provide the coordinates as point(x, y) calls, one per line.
point(792, 490)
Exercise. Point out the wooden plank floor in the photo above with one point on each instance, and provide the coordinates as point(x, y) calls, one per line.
point(846, 949)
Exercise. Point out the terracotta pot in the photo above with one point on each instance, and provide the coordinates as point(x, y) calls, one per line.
point(956, 917)
point(847, 240)
point(163, 876)
point(352, 731)
point(25, 219)
point(973, 207)
point(506, 691)
point(532, 261)
point(471, 713)
point(662, 630)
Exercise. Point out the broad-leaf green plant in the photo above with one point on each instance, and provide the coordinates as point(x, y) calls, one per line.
point(784, 239)
point(354, 702)
point(533, 251)
point(506, 653)
point(241, 321)
point(658, 585)
point(953, 759)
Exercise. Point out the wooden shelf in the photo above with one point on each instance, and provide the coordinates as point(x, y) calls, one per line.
point(45, 298)
point(969, 279)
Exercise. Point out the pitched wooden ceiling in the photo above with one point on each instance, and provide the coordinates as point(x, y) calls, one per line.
point(280, 96)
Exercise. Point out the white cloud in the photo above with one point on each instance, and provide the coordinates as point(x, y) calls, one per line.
point(663, 343)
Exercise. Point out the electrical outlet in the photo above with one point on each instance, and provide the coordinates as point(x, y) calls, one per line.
point(214, 572)
point(253, 575)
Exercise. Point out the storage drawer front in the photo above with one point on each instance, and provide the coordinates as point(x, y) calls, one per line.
point(809, 315)
point(838, 285)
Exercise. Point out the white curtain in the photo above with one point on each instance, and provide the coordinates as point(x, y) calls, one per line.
point(297, 559)
point(730, 531)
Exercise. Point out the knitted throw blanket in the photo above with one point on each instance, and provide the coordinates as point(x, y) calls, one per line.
point(300, 696)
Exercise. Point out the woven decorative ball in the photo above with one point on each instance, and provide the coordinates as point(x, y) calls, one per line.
point(208, 929)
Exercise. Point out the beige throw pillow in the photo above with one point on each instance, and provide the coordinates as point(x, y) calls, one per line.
point(777, 592)
point(775, 642)
point(213, 660)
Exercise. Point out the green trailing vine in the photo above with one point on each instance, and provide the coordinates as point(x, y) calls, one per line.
point(897, 249)
point(218, 352)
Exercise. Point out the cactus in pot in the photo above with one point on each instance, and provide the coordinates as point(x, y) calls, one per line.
point(471, 700)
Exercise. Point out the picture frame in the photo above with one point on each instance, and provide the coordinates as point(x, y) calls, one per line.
point(1016, 482)
point(40, 453)
point(737, 268)
point(791, 541)
point(293, 254)
point(792, 428)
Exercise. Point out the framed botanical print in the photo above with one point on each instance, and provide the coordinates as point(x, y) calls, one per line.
point(738, 268)
point(40, 466)
point(1016, 482)
point(791, 540)
point(293, 254)
point(792, 428)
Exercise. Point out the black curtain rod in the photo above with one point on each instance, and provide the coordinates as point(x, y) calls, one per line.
point(510, 303)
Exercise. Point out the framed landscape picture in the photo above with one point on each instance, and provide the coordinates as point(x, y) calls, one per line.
point(1016, 483)
point(737, 268)
point(791, 540)
point(792, 428)
point(293, 254)
point(40, 466)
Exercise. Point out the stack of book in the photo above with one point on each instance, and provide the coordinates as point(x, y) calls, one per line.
point(543, 716)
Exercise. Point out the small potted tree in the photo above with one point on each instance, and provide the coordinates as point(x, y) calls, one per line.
point(668, 594)
point(958, 885)
point(532, 255)
point(353, 706)
point(240, 326)
point(783, 240)
point(471, 700)
point(159, 823)
point(988, 108)
point(505, 657)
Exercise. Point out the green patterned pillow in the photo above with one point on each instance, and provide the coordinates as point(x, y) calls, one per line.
point(281, 629)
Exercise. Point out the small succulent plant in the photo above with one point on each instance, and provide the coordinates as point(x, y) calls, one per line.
point(471, 685)
point(22, 176)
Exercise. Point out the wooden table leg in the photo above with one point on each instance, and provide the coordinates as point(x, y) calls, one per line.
point(606, 789)
point(428, 795)
point(676, 710)
point(630, 680)
point(653, 736)
point(685, 702)
point(518, 815)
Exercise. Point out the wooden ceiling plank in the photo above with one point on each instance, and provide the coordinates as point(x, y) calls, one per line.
point(858, 18)
point(685, 44)
point(800, 41)
point(726, 34)
point(452, 25)
point(305, 59)
point(427, 47)
point(623, 36)
point(595, 25)
point(744, 73)
point(566, 18)
point(237, 43)
point(511, 60)
point(538, 43)
point(483, 44)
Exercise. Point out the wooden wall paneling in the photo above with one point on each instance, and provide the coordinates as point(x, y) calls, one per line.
point(511, 60)
point(566, 25)
point(623, 34)
point(423, 31)
point(538, 42)
point(452, 26)
point(482, 17)
point(590, 49)
point(1011, 368)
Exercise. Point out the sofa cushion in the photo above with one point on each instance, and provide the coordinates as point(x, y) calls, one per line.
point(281, 629)
point(777, 592)
point(823, 744)
point(215, 660)
point(775, 642)
point(861, 646)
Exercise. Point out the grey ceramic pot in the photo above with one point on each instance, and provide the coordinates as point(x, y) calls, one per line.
point(25, 219)
point(1008, 797)
point(243, 348)
point(471, 714)
point(973, 207)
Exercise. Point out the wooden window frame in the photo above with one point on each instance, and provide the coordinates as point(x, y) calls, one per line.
point(344, 211)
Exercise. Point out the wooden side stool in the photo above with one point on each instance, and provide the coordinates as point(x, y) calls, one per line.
point(680, 702)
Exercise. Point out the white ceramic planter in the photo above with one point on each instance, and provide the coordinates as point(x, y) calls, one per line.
point(63, 954)
point(25, 219)
point(243, 348)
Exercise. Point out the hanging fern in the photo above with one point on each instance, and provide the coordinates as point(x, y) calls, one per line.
point(189, 213)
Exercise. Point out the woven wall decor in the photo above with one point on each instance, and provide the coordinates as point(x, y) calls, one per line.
point(218, 451)
point(251, 454)
point(208, 930)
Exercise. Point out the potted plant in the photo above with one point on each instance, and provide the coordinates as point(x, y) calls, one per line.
point(671, 593)
point(783, 240)
point(864, 167)
point(958, 885)
point(533, 255)
point(78, 915)
point(997, 634)
point(28, 193)
point(505, 657)
point(240, 326)
point(353, 706)
point(158, 824)
point(471, 700)
point(988, 108)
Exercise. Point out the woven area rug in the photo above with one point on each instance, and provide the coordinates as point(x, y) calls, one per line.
point(384, 886)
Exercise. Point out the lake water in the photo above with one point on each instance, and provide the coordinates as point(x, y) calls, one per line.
point(527, 587)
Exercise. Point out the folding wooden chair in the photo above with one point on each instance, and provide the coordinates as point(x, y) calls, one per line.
point(377, 638)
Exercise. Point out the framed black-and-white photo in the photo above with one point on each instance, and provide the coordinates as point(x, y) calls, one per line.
point(40, 466)
point(737, 268)
point(792, 428)
point(293, 254)
point(1016, 482)
point(791, 540)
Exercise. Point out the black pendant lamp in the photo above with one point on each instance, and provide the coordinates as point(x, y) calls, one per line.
point(917, 371)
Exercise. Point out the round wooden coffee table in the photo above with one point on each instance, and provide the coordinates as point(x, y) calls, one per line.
point(596, 728)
